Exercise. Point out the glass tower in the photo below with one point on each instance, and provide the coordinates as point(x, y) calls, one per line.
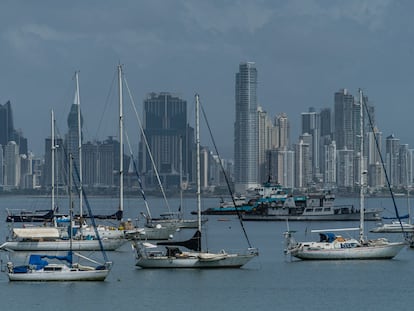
point(246, 128)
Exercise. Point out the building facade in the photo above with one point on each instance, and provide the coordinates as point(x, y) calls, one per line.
point(246, 128)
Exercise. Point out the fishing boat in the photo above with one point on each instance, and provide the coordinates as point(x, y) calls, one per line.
point(149, 256)
point(39, 269)
point(332, 246)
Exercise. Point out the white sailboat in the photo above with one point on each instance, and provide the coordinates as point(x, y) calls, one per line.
point(147, 256)
point(335, 247)
point(39, 269)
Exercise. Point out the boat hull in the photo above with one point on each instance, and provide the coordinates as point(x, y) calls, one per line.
point(369, 216)
point(227, 261)
point(94, 275)
point(386, 251)
point(63, 245)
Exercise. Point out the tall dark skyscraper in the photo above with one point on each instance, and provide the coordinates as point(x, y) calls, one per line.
point(6, 123)
point(344, 120)
point(72, 136)
point(166, 130)
point(246, 128)
point(7, 130)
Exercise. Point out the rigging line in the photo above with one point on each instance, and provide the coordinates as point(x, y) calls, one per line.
point(88, 207)
point(92, 218)
point(147, 147)
point(225, 176)
point(141, 188)
point(106, 104)
point(383, 166)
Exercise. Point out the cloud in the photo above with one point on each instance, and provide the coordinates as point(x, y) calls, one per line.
point(364, 12)
point(224, 17)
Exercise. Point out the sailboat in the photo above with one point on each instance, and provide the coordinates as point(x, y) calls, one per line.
point(39, 269)
point(332, 246)
point(173, 257)
point(397, 225)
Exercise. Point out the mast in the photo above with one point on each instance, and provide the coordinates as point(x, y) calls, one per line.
point(70, 203)
point(121, 143)
point(52, 151)
point(197, 119)
point(361, 168)
point(79, 148)
point(181, 176)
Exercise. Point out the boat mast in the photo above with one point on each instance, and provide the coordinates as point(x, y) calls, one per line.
point(181, 176)
point(79, 148)
point(70, 202)
point(121, 143)
point(197, 120)
point(52, 151)
point(361, 168)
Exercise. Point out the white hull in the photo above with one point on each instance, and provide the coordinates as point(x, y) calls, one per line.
point(377, 251)
point(195, 261)
point(63, 245)
point(41, 276)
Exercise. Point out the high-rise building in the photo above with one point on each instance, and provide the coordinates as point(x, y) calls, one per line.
point(6, 123)
point(7, 130)
point(325, 122)
point(303, 164)
point(345, 169)
point(11, 166)
point(282, 130)
point(392, 148)
point(266, 132)
point(328, 160)
point(246, 128)
point(98, 164)
point(168, 136)
point(344, 120)
point(72, 136)
point(311, 126)
point(282, 167)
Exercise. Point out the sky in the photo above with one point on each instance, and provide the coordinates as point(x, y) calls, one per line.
point(304, 50)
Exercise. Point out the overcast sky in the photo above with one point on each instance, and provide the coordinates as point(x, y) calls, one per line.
point(304, 50)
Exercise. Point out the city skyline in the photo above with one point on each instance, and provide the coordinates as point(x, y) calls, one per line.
point(304, 50)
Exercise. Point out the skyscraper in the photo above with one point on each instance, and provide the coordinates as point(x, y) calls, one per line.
point(7, 130)
point(344, 120)
point(72, 136)
point(6, 123)
point(311, 126)
point(283, 131)
point(246, 128)
point(166, 130)
point(392, 148)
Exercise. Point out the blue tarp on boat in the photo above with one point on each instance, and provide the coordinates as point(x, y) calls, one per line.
point(37, 260)
point(327, 237)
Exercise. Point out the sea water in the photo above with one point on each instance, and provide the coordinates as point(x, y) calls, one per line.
point(271, 281)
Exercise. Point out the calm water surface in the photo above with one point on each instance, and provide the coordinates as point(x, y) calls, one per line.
point(269, 282)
